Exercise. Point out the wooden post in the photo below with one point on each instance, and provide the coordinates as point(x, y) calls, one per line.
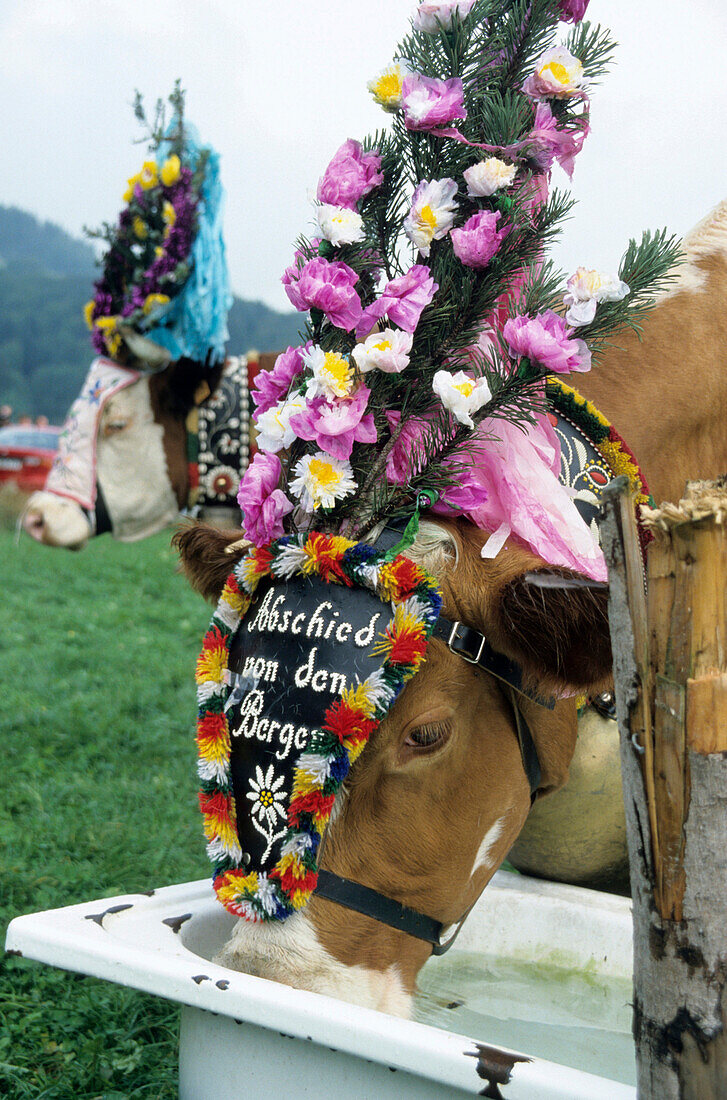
point(670, 668)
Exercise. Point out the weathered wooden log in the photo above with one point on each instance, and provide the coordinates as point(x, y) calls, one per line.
point(670, 663)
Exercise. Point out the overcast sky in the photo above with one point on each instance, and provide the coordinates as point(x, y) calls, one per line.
point(277, 86)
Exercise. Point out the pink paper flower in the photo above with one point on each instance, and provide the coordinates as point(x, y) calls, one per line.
point(319, 284)
point(350, 175)
point(553, 143)
point(546, 339)
point(479, 239)
point(428, 102)
point(273, 385)
point(432, 15)
point(263, 505)
point(402, 300)
point(336, 425)
point(401, 466)
point(572, 11)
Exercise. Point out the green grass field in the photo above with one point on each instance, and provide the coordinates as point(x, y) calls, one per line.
point(97, 796)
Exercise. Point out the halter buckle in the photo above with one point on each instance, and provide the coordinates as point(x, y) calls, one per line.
point(461, 652)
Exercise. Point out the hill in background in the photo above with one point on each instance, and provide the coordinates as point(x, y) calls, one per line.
point(45, 280)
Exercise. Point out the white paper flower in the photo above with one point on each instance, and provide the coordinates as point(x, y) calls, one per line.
point(387, 351)
point(321, 480)
point(488, 176)
point(274, 432)
point(431, 15)
point(339, 225)
point(461, 394)
point(586, 289)
point(266, 796)
point(332, 373)
point(558, 75)
point(432, 213)
point(387, 86)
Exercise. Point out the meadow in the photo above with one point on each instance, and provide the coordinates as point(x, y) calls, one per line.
point(97, 797)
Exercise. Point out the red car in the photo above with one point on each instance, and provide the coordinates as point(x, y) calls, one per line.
point(26, 455)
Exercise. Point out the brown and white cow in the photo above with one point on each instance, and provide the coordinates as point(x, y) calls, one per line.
point(142, 470)
point(435, 802)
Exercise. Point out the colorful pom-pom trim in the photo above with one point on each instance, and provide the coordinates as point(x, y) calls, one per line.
point(348, 724)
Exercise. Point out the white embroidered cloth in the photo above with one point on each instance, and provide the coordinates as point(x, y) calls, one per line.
point(73, 473)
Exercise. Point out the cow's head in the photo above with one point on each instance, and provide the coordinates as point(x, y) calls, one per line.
point(432, 806)
point(135, 465)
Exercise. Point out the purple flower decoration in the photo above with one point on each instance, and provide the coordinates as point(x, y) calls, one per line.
point(272, 385)
point(546, 339)
point(428, 102)
point(479, 239)
point(350, 175)
point(319, 284)
point(402, 301)
point(552, 143)
point(572, 11)
point(263, 505)
point(336, 425)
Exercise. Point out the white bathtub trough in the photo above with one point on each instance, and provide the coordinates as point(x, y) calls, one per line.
point(533, 1000)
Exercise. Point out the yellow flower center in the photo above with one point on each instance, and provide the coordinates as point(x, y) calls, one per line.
point(428, 217)
point(148, 177)
point(556, 70)
point(339, 371)
point(266, 798)
point(323, 472)
point(465, 388)
point(387, 89)
point(384, 345)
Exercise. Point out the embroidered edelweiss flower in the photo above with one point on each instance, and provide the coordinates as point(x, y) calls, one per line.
point(386, 88)
point(266, 796)
point(461, 394)
point(558, 75)
point(321, 480)
point(432, 213)
point(488, 176)
point(273, 426)
point(339, 225)
point(586, 289)
point(332, 374)
point(387, 351)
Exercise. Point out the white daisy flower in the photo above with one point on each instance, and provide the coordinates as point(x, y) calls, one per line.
point(432, 213)
point(340, 225)
point(274, 432)
point(332, 373)
point(586, 289)
point(461, 394)
point(321, 480)
point(387, 351)
point(488, 176)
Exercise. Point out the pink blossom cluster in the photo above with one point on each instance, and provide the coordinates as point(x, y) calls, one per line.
point(428, 102)
point(350, 176)
point(402, 300)
point(262, 503)
point(479, 239)
point(272, 385)
point(546, 340)
point(320, 284)
point(551, 142)
point(572, 11)
point(336, 425)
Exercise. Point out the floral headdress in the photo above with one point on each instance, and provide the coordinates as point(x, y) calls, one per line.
point(164, 274)
point(434, 321)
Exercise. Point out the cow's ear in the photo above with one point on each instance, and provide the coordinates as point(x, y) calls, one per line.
point(208, 556)
point(183, 384)
point(556, 625)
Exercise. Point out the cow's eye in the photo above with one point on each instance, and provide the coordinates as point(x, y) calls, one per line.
point(114, 426)
point(427, 736)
